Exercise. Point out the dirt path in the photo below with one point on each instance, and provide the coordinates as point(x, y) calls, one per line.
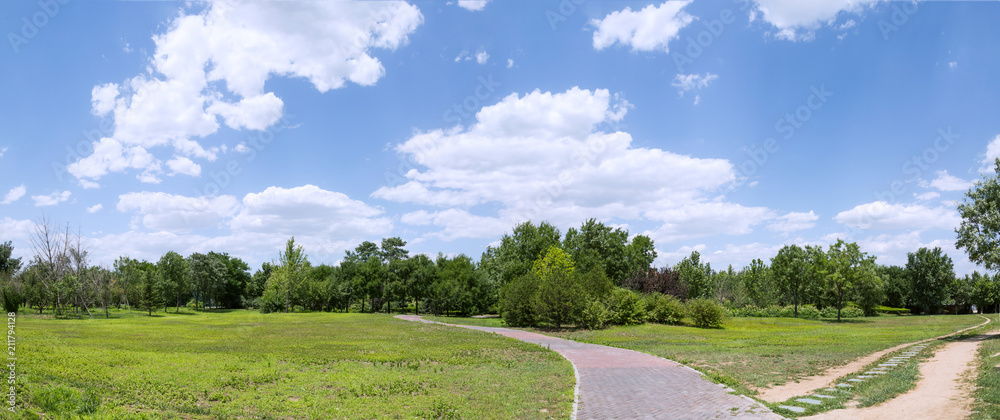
point(941, 392)
point(807, 385)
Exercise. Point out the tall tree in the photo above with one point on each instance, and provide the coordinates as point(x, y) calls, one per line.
point(560, 297)
point(791, 273)
point(848, 268)
point(979, 233)
point(174, 271)
point(696, 276)
point(930, 271)
point(515, 254)
point(207, 277)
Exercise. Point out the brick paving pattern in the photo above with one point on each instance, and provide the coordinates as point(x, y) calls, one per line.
point(617, 383)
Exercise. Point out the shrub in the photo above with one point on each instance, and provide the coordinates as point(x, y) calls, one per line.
point(517, 302)
point(892, 311)
point(664, 280)
point(596, 284)
point(625, 307)
point(847, 312)
point(808, 312)
point(11, 298)
point(594, 315)
point(272, 301)
point(706, 313)
point(664, 309)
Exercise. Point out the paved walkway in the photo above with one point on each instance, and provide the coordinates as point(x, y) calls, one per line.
point(625, 384)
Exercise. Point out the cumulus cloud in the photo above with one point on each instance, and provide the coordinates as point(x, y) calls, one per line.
point(555, 156)
point(214, 64)
point(797, 20)
point(184, 166)
point(51, 199)
point(882, 215)
point(992, 153)
point(95, 208)
point(947, 182)
point(649, 29)
point(177, 213)
point(309, 210)
point(473, 5)
point(794, 221)
point(689, 82)
point(14, 194)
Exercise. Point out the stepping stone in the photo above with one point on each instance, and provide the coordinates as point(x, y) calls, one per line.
point(793, 408)
point(876, 372)
point(810, 401)
point(889, 364)
point(832, 390)
point(823, 396)
point(865, 377)
point(845, 386)
point(855, 380)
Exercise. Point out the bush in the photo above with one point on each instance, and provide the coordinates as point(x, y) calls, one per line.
point(594, 315)
point(664, 280)
point(11, 298)
point(596, 284)
point(847, 312)
point(774, 311)
point(664, 309)
point(517, 302)
point(706, 313)
point(272, 301)
point(892, 311)
point(625, 308)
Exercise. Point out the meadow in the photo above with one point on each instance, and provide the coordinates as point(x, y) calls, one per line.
point(243, 364)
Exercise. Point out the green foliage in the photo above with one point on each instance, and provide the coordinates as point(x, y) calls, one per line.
point(775, 311)
point(849, 271)
point(929, 272)
point(594, 316)
point(596, 246)
point(561, 299)
point(173, 271)
point(979, 233)
point(596, 284)
point(625, 307)
point(791, 273)
point(696, 276)
point(518, 301)
point(759, 284)
point(706, 313)
point(892, 311)
point(517, 252)
point(846, 312)
point(664, 309)
point(66, 401)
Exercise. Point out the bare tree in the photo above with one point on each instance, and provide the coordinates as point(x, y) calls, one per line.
point(80, 257)
point(52, 258)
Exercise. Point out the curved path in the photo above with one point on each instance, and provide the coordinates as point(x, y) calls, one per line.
point(943, 391)
point(621, 384)
point(807, 385)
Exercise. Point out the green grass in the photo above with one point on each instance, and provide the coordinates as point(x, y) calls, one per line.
point(242, 364)
point(763, 352)
point(987, 392)
point(479, 322)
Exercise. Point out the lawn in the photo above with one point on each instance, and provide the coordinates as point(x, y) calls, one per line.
point(762, 352)
point(243, 364)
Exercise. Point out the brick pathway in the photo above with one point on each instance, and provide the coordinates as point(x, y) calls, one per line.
point(615, 383)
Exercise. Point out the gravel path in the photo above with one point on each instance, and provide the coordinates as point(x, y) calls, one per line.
point(625, 384)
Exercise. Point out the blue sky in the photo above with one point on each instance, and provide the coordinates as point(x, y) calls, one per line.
point(731, 128)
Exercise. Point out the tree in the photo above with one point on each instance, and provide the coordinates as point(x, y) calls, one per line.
point(51, 259)
point(791, 273)
point(560, 298)
point(208, 276)
point(10, 288)
point(233, 287)
point(422, 273)
point(846, 268)
point(293, 265)
point(150, 287)
point(979, 232)
point(897, 287)
point(929, 272)
point(758, 282)
point(517, 252)
point(596, 245)
point(173, 269)
point(696, 276)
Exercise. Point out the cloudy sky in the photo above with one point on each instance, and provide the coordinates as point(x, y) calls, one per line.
point(730, 128)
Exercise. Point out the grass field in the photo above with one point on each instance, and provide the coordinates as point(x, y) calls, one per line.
point(987, 391)
point(246, 365)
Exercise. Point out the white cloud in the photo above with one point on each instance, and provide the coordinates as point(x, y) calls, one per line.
point(88, 184)
point(481, 57)
point(184, 166)
point(992, 153)
point(947, 182)
point(553, 156)
point(891, 249)
point(241, 148)
point(51, 199)
point(650, 29)
point(794, 221)
point(510, 63)
point(882, 215)
point(689, 82)
point(2, 151)
point(177, 213)
point(95, 208)
point(473, 5)
point(14, 194)
point(952, 64)
point(309, 210)
point(102, 99)
point(927, 196)
point(215, 64)
point(797, 20)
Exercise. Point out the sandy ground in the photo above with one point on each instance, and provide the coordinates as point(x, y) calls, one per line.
point(941, 392)
point(809, 384)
